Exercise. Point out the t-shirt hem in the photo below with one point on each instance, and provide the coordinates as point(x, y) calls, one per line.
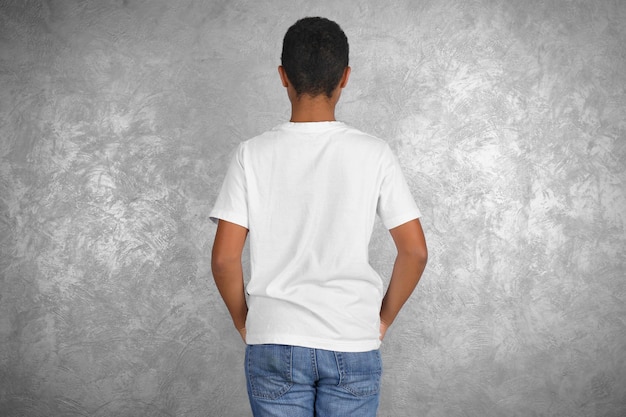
point(315, 343)
point(401, 219)
point(229, 217)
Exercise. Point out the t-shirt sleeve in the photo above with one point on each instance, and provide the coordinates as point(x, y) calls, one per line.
point(232, 202)
point(396, 205)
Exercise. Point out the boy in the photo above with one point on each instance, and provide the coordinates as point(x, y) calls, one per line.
point(307, 192)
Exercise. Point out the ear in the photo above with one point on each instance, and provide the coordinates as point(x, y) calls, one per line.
point(345, 77)
point(283, 76)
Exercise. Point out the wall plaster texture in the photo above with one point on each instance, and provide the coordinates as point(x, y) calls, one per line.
point(117, 122)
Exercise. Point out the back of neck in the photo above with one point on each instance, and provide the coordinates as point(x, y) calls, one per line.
point(313, 109)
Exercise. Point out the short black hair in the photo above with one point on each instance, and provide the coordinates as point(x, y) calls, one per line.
point(315, 55)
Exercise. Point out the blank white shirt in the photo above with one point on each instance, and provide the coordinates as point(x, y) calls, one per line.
point(309, 194)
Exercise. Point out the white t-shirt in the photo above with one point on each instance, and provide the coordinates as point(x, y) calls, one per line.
point(309, 194)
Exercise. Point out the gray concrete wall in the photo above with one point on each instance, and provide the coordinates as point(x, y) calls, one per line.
point(117, 121)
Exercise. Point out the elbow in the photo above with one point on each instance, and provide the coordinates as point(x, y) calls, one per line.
point(222, 263)
point(418, 254)
point(421, 255)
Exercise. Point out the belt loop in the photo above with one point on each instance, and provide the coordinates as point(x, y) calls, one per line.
point(313, 353)
point(339, 366)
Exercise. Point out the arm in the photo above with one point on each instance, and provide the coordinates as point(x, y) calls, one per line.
point(228, 272)
point(407, 270)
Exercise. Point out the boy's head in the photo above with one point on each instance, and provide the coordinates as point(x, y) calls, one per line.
point(314, 56)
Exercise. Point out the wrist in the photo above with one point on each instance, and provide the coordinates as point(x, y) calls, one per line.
point(383, 329)
point(242, 333)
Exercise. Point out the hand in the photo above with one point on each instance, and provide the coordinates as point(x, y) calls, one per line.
point(242, 333)
point(383, 329)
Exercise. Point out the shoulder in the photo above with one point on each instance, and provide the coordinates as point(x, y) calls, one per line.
point(372, 149)
point(263, 139)
point(358, 138)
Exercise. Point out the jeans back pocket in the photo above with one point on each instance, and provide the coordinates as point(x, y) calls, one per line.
point(360, 372)
point(268, 368)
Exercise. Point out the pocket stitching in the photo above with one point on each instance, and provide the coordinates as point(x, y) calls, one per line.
point(345, 385)
point(255, 388)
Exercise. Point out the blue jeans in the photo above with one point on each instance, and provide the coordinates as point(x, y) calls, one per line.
point(292, 381)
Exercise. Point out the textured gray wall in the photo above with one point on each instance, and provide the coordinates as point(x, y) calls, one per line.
point(117, 121)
